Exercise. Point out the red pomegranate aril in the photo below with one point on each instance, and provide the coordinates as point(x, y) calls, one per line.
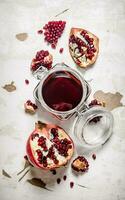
point(58, 180)
point(64, 177)
point(34, 135)
point(93, 49)
point(53, 46)
point(61, 50)
point(27, 81)
point(91, 39)
point(71, 184)
point(94, 156)
point(25, 157)
point(40, 31)
point(53, 172)
point(56, 161)
point(28, 102)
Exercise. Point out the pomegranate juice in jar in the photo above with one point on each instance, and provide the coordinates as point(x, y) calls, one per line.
point(62, 91)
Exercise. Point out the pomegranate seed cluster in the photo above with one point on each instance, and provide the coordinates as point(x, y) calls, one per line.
point(85, 46)
point(61, 145)
point(42, 58)
point(53, 31)
point(54, 132)
point(80, 164)
point(42, 143)
point(29, 103)
point(51, 155)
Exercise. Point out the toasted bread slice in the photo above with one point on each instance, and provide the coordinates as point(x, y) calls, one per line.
point(83, 47)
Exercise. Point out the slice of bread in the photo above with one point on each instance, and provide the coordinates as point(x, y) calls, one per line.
point(86, 59)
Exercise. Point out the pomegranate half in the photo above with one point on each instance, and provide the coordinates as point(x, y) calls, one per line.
point(49, 146)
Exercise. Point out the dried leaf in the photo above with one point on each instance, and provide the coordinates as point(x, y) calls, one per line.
point(111, 100)
point(22, 36)
point(6, 174)
point(62, 12)
point(38, 183)
point(9, 87)
point(27, 164)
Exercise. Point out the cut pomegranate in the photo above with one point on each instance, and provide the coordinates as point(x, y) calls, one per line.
point(53, 31)
point(83, 47)
point(80, 164)
point(30, 107)
point(42, 58)
point(49, 147)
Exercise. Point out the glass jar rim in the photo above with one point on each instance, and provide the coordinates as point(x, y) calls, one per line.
point(77, 75)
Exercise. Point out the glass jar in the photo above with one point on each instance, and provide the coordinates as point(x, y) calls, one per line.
point(93, 125)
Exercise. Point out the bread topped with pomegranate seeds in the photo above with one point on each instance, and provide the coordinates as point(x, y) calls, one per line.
point(83, 47)
point(49, 147)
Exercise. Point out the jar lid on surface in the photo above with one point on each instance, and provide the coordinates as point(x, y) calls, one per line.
point(93, 127)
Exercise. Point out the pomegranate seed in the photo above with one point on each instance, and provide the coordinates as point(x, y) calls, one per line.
point(26, 81)
point(53, 172)
point(94, 156)
point(71, 184)
point(25, 157)
point(58, 180)
point(61, 50)
point(53, 46)
point(40, 31)
point(64, 177)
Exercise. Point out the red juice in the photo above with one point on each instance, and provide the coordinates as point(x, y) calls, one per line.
point(62, 91)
